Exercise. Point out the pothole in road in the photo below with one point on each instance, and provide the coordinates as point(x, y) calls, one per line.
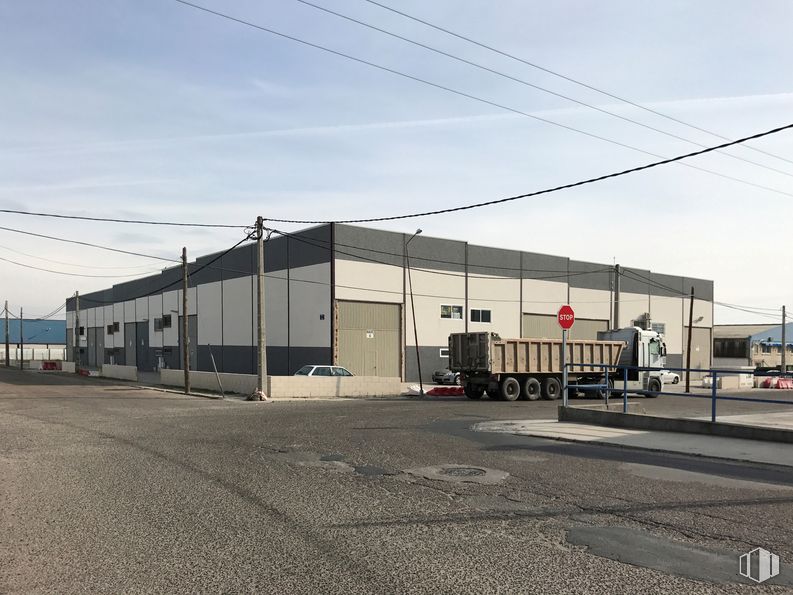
point(460, 474)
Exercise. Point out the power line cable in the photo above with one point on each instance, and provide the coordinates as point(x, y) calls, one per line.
point(111, 220)
point(743, 308)
point(90, 245)
point(545, 191)
point(88, 299)
point(476, 98)
point(532, 85)
point(72, 264)
point(568, 78)
point(30, 266)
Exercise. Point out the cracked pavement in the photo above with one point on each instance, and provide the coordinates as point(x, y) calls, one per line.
point(109, 489)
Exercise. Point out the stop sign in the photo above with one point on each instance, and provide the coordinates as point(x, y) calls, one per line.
point(566, 317)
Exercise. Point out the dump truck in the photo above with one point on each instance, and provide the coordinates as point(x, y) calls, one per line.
point(530, 368)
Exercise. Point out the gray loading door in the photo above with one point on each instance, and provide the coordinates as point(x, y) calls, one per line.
point(92, 347)
point(370, 338)
point(130, 358)
point(700, 349)
point(545, 326)
point(142, 339)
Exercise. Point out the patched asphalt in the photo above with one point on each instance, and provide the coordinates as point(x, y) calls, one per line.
point(107, 489)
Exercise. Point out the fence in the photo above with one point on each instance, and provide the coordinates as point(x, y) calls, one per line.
point(621, 373)
point(34, 353)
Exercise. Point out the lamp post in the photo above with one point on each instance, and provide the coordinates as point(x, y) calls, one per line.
point(413, 312)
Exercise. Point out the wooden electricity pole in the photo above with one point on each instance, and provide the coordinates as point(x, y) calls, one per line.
point(688, 350)
point(21, 342)
point(783, 367)
point(8, 346)
point(261, 343)
point(185, 326)
point(77, 332)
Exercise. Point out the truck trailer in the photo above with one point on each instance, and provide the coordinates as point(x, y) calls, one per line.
point(529, 368)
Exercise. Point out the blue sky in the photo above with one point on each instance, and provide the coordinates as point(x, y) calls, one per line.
point(152, 109)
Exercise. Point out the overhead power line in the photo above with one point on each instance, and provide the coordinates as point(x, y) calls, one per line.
point(72, 264)
point(112, 220)
point(532, 85)
point(473, 97)
point(545, 191)
point(88, 244)
point(30, 266)
point(87, 299)
point(568, 78)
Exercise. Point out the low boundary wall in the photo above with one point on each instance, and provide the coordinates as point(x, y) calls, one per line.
point(120, 372)
point(672, 424)
point(289, 386)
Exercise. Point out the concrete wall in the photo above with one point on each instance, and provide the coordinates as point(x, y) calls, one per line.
point(120, 372)
point(288, 386)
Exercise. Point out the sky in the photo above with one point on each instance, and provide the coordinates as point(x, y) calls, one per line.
point(152, 109)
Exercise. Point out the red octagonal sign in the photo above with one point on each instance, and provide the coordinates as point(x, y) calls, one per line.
point(566, 317)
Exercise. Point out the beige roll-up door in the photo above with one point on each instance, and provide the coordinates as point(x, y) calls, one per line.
point(545, 326)
point(370, 338)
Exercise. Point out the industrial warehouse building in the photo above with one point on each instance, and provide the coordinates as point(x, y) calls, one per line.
point(340, 294)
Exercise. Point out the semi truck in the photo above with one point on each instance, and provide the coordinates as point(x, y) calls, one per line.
point(530, 368)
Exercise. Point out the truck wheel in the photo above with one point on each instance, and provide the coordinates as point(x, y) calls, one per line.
point(551, 388)
point(456, 378)
point(653, 387)
point(601, 393)
point(473, 391)
point(510, 389)
point(531, 389)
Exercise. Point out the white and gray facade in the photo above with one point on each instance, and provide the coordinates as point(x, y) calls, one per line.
point(340, 294)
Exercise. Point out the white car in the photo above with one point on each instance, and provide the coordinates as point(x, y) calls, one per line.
point(312, 370)
point(670, 377)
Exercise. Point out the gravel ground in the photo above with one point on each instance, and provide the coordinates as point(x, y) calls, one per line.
point(111, 489)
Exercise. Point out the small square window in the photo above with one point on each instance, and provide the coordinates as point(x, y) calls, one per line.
point(116, 327)
point(453, 312)
point(166, 321)
point(109, 329)
point(81, 332)
point(444, 352)
point(158, 325)
point(478, 315)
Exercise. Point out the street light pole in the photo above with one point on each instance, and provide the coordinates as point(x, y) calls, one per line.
point(413, 312)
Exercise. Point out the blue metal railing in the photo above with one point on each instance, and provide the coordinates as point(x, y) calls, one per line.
point(712, 372)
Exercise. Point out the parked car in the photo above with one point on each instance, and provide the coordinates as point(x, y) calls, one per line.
point(316, 370)
point(445, 376)
point(670, 377)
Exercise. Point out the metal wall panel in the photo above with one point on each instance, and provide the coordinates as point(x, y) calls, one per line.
point(370, 338)
point(545, 326)
point(701, 344)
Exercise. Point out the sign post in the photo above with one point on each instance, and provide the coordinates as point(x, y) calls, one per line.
point(566, 318)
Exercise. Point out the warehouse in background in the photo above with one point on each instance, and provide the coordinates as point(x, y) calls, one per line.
point(40, 340)
point(755, 345)
point(340, 294)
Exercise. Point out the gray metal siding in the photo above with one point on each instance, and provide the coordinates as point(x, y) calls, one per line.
point(545, 326)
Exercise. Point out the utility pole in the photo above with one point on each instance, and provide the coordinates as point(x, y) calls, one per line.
point(783, 369)
point(688, 350)
point(77, 332)
point(21, 342)
point(413, 312)
point(261, 344)
point(616, 296)
point(185, 326)
point(8, 346)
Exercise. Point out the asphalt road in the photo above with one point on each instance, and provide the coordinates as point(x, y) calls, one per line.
point(110, 489)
